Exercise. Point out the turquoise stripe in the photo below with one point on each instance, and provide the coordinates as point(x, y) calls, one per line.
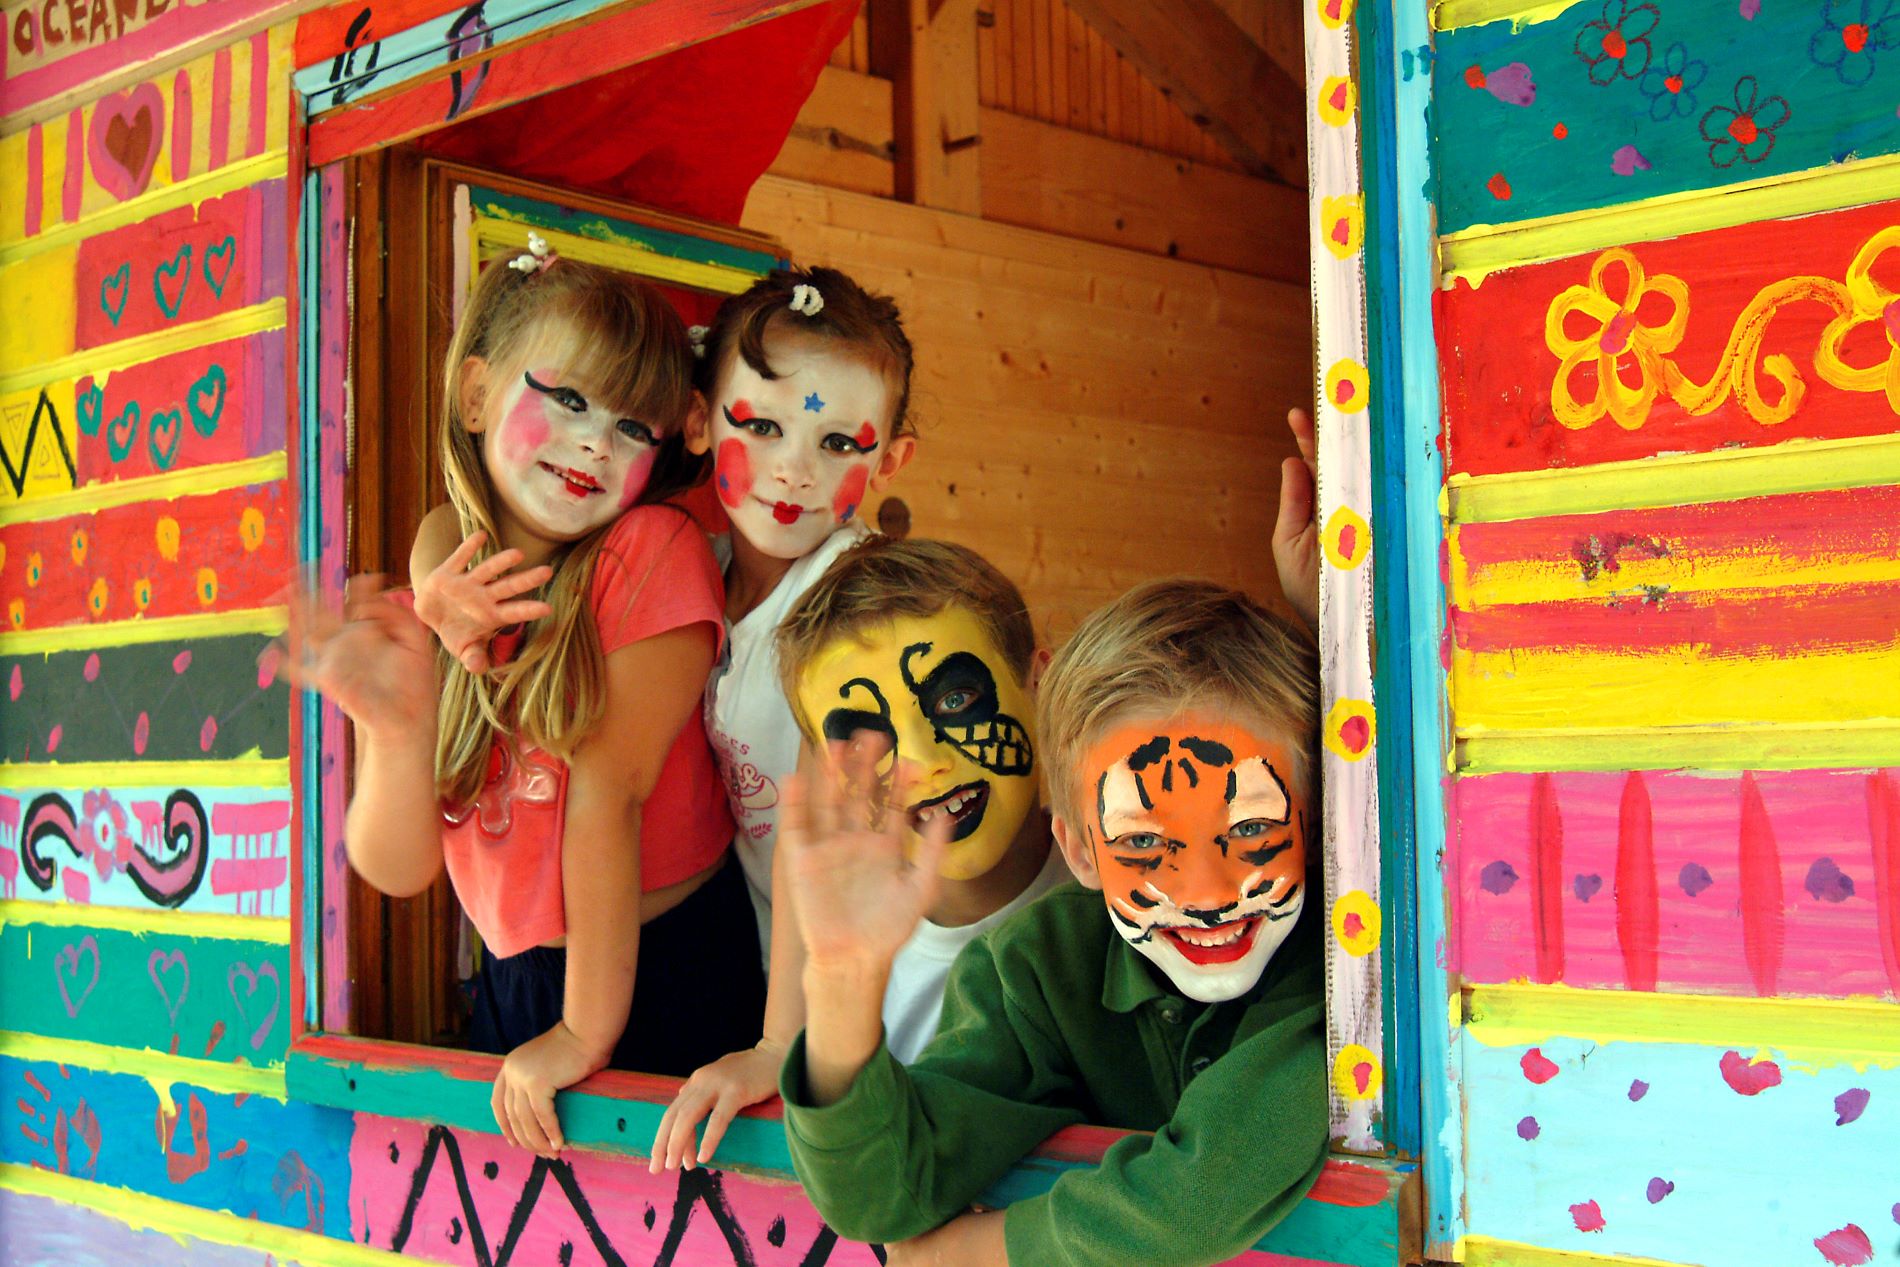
point(605, 228)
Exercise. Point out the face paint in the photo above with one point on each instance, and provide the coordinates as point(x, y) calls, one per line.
point(789, 468)
point(561, 464)
point(1200, 843)
point(934, 696)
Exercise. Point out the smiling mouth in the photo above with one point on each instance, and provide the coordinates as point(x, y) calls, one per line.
point(579, 483)
point(1223, 943)
point(964, 805)
point(786, 513)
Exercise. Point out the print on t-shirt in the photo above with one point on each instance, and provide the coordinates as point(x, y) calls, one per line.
point(527, 781)
point(751, 790)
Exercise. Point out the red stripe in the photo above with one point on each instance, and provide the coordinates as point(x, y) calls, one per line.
point(1718, 622)
point(1760, 869)
point(1636, 885)
point(1883, 814)
point(1547, 879)
point(181, 125)
point(260, 90)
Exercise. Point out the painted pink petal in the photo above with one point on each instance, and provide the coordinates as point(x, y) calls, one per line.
point(1846, 1247)
point(1749, 1078)
point(1538, 1067)
point(1587, 1216)
point(1512, 84)
point(1749, 8)
point(1627, 161)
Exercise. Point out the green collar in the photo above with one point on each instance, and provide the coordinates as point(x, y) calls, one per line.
point(1128, 979)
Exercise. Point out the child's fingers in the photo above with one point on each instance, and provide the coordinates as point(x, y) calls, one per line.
point(1296, 500)
point(724, 1110)
point(498, 1103)
point(656, 1156)
point(495, 564)
point(458, 559)
point(1300, 423)
point(474, 658)
point(794, 817)
point(519, 582)
point(523, 610)
point(527, 1124)
point(548, 1120)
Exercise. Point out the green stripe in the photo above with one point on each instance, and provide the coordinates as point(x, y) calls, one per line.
point(593, 224)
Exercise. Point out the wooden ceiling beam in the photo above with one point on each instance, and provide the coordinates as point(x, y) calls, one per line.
point(1215, 71)
point(927, 49)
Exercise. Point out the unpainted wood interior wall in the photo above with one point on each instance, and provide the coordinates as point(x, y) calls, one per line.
point(1110, 320)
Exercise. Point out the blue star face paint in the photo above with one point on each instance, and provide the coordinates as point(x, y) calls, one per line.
point(814, 405)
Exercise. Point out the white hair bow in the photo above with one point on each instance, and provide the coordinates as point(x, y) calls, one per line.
point(696, 335)
point(539, 255)
point(807, 301)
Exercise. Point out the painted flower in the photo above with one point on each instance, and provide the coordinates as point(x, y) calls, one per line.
point(142, 593)
point(106, 825)
point(1599, 329)
point(1671, 86)
point(98, 596)
point(1745, 132)
point(79, 547)
point(35, 569)
point(1852, 31)
point(1870, 303)
point(1616, 45)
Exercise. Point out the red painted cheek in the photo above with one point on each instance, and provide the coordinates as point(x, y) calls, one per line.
point(732, 471)
point(637, 476)
point(850, 492)
point(524, 430)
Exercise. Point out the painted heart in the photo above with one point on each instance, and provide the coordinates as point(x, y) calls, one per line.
point(123, 140)
point(114, 291)
point(66, 969)
point(122, 432)
point(160, 968)
point(1587, 886)
point(205, 401)
point(91, 409)
point(1749, 1077)
point(177, 270)
point(246, 992)
point(162, 437)
point(224, 254)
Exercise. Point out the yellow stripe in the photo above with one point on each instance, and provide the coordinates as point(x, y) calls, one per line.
point(1476, 252)
point(495, 237)
point(1810, 746)
point(1486, 1251)
point(274, 932)
point(126, 633)
point(1514, 582)
point(254, 772)
point(153, 488)
point(1449, 15)
point(194, 189)
point(1858, 1031)
point(1542, 688)
point(140, 1210)
point(1799, 466)
point(161, 1069)
point(268, 315)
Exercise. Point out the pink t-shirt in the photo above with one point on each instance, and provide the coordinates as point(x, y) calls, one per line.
point(654, 572)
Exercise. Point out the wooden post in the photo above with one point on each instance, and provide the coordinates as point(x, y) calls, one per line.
point(927, 49)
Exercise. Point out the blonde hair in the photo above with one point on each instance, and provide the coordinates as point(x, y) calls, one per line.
point(629, 345)
point(882, 578)
point(1173, 646)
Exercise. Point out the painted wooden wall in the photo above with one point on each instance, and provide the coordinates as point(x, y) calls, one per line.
point(1669, 342)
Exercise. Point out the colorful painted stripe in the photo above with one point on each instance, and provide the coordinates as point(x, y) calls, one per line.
point(1702, 330)
point(1731, 746)
point(213, 698)
point(270, 468)
point(1697, 883)
point(490, 204)
point(222, 179)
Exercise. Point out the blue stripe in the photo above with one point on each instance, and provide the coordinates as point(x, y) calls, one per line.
point(309, 253)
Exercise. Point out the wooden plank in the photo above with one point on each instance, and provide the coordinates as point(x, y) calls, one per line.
point(928, 48)
point(842, 136)
point(1078, 60)
point(1225, 81)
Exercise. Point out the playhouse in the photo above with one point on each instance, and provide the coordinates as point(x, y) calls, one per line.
point(1597, 303)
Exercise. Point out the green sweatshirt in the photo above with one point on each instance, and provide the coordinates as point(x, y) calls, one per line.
point(1052, 1019)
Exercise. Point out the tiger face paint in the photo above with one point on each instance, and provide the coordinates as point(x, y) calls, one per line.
point(1199, 841)
point(935, 698)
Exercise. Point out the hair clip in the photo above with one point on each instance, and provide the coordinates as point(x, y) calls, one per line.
point(806, 301)
point(539, 257)
point(696, 335)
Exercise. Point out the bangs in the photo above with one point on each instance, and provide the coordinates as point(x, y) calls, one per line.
point(651, 381)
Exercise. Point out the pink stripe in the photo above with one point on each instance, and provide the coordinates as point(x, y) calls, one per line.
point(266, 818)
point(248, 875)
point(177, 27)
point(1835, 875)
point(35, 177)
point(220, 110)
point(72, 186)
point(260, 90)
point(181, 125)
point(1762, 907)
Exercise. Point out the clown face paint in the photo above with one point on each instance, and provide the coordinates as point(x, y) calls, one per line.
point(935, 696)
point(793, 455)
point(1200, 844)
point(562, 464)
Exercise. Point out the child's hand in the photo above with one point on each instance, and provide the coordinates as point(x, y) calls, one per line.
point(856, 897)
point(374, 662)
point(1296, 534)
point(467, 605)
point(530, 1075)
point(721, 1089)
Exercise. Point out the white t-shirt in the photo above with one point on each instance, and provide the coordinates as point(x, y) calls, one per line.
point(754, 738)
point(913, 1002)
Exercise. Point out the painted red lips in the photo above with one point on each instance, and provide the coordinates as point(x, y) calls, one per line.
point(1225, 952)
point(786, 513)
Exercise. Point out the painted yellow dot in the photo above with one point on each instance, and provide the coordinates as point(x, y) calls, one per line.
point(1356, 1073)
point(1350, 729)
point(1342, 224)
point(142, 593)
point(1337, 100)
point(97, 596)
point(35, 569)
point(1356, 922)
point(1348, 386)
point(80, 544)
point(251, 528)
point(1347, 539)
point(167, 534)
point(16, 614)
point(207, 586)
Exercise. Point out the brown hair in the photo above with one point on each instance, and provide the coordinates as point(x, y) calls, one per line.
point(1173, 646)
point(881, 578)
point(631, 348)
point(851, 314)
